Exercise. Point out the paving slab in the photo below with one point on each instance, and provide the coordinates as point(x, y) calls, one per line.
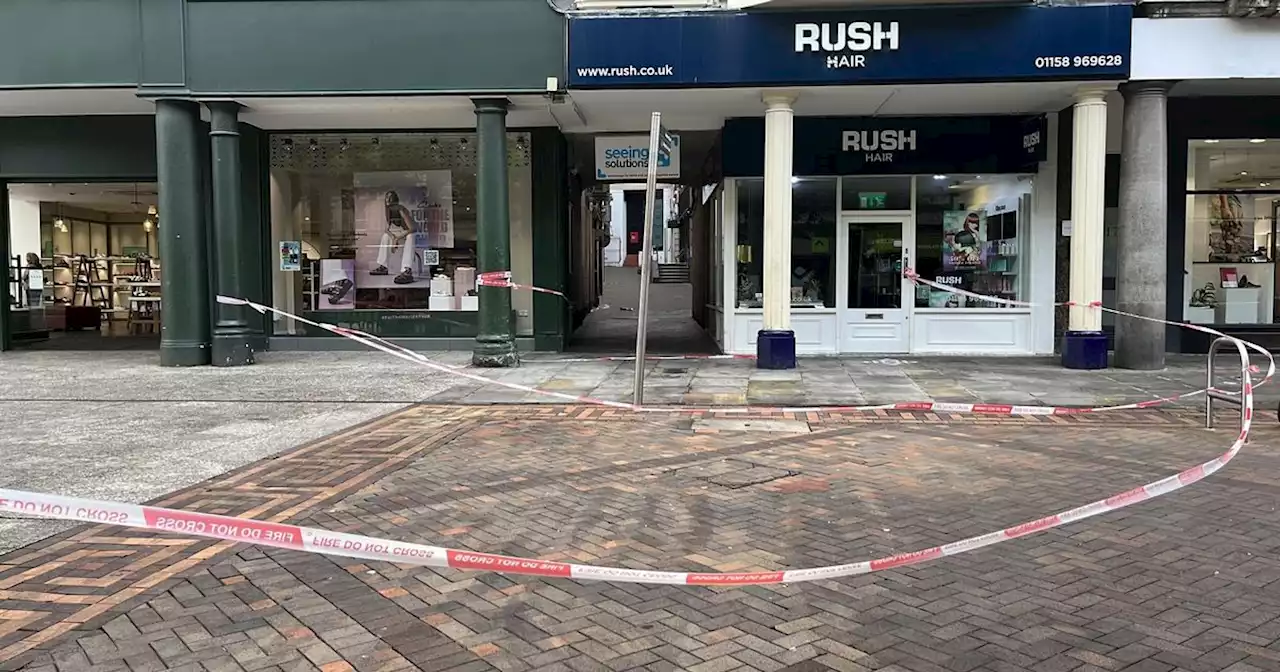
point(1188, 580)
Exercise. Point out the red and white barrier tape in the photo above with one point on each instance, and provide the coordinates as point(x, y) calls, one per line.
point(503, 279)
point(369, 548)
point(418, 358)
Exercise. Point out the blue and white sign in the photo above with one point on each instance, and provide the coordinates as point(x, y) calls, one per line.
point(626, 157)
point(855, 46)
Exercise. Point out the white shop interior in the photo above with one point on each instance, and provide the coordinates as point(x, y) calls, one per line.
point(849, 294)
point(1233, 198)
point(83, 261)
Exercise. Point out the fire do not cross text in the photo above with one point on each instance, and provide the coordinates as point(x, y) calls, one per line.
point(855, 36)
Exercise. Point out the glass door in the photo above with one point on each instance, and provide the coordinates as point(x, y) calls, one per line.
point(876, 310)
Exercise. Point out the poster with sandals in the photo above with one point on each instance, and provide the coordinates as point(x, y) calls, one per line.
point(402, 219)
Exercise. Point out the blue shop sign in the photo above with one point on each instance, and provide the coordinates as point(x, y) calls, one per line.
point(856, 46)
point(893, 145)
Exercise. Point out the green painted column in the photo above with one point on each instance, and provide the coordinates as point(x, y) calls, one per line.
point(183, 237)
point(6, 319)
point(495, 342)
point(232, 336)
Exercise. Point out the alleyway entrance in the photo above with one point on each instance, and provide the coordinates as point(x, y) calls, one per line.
point(611, 329)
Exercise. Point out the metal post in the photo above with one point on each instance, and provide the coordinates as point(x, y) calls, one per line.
point(1235, 398)
point(650, 186)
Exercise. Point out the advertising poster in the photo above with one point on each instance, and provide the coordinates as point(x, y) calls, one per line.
point(964, 240)
point(402, 220)
point(290, 255)
point(337, 284)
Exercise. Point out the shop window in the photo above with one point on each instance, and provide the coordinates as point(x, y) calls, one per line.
point(969, 233)
point(83, 255)
point(1233, 199)
point(875, 193)
point(387, 222)
point(813, 237)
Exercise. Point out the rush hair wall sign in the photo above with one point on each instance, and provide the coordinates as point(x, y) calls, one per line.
point(893, 145)
point(951, 43)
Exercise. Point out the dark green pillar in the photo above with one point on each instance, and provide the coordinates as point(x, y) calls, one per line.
point(6, 319)
point(183, 238)
point(254, 260)
point(231, 333)
point(495, 343)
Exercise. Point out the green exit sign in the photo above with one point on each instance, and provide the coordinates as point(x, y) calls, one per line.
point(871, 200)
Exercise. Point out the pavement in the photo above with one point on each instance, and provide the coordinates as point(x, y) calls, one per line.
point(115, 425)
point(821, 381)
point(1187, 581)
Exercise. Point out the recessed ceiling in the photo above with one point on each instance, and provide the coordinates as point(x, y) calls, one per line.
point(1235, 164)
point(112, 197)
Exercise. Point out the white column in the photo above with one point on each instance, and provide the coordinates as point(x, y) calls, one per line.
point(777, 210)
point(1088, 187)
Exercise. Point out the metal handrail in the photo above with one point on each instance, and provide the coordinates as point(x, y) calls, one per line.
point(1211, 392)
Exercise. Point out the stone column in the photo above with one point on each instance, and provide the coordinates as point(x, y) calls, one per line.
point(1084, 345)
point(495, 342)
point(1142, 255)
point(232, 335)
point(776, 343)
point(182, 236)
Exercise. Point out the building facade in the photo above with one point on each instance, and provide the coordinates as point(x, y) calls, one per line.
point(357, 163)
point(849, 146)
point(1200, 183)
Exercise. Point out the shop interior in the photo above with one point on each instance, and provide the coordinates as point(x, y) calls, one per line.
point(387, 222)
point(1233, 198)
point(84, 267)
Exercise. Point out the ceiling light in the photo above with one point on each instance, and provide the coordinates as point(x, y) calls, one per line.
point(939, 177)
point(1264, 184)
point(147, 224)
point(1258, 141)
point(1211, 142)
point(151, 210)
point(1244, 172)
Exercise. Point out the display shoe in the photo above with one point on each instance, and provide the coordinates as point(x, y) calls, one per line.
point(380, 270)
point(1244, 282)
point(405, 277)
point(340, 289)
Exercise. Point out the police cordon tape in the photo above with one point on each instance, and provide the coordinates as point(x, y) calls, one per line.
point(383, 345)
point(313, 540)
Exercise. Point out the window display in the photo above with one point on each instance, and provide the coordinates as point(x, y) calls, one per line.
point(967, 236)
point(813, 235)
point(388, 221)
point(1232, 206)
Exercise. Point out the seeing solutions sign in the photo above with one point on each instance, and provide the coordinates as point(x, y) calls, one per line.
point(626, 157)
point(951, 44)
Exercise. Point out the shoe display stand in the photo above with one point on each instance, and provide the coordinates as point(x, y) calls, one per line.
point(138, 288)
point(115, 288)
point(1200, 314)
point(1238, 305)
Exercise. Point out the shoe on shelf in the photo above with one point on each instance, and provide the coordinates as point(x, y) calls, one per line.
point(380, 270)
point(405, 277)
point(340, 290)
point(1244, 282)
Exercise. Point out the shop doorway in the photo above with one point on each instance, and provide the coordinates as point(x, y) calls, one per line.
point(878, 301)
point(84, 267)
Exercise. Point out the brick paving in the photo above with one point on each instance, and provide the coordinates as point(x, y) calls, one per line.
point(1184, 582)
